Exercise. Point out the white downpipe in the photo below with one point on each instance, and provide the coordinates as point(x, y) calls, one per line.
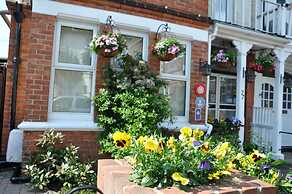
point(210, 39)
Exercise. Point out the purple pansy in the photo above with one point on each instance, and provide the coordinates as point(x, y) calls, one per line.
point(204, 165)
point(289, 178)
point(265, 167)
point(197, 143)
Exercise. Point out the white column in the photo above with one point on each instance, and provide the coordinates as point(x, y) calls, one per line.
point(282, 55)
point(242, 49)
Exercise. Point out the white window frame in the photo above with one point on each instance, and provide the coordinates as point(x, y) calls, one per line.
point(217, 108)
point(53, 116)
point(185, 78)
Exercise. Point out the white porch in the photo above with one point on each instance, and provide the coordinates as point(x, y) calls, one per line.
point(252, 25)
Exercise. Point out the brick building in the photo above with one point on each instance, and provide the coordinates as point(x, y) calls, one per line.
point(54, 58)
point(58, 75)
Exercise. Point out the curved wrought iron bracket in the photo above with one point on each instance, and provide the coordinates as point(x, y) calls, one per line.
point(163, 27)
point(85, 188)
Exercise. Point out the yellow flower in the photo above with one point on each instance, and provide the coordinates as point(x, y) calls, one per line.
point(214, 176)
point(177, 177)
point(184, 181)
point(151, 144)
point(274, 178)
point(170, 142)
point(230, 166)
point(205, 147)
point(141, 140)
point(256, 155)
point(122, 139)
point(198, 133)
point(185, 132)
point(222, 150)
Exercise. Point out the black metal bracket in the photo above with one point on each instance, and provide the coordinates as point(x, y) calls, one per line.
point(163, 27)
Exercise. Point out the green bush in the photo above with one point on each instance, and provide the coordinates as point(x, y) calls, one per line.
point(131, 100)
point(54, 168)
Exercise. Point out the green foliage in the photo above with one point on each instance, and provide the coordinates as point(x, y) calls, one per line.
point(249, 147)
point(285, 185)
point(266, 60)
point(131, 100)
point(53, 167)
point(225, 127)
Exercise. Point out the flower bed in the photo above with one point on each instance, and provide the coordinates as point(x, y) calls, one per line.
point(113, 179)
point(188, 161)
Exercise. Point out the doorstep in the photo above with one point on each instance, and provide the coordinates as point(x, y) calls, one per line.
point(113, 179)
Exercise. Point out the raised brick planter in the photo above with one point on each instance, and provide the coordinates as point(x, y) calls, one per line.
point(113, 179)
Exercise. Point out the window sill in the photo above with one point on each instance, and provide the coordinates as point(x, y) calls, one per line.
point(60, 126)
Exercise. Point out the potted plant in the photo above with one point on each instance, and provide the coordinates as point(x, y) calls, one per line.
point(108, 44)
point(168, 49)
point(222, 57)
point(264, 64)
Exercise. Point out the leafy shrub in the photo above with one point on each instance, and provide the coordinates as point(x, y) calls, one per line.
point(53, 167)
point(131, 100)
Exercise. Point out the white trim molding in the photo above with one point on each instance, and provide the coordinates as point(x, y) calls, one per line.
point(54, 8)
point(60, 126)
point(257, 38)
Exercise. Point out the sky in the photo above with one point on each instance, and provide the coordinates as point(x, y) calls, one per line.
point(4, 33)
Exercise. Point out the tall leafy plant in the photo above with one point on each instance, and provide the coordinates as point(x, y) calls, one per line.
point(131, 100)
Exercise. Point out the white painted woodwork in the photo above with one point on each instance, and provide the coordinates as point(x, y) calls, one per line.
point(242, 48)
point(262, 15)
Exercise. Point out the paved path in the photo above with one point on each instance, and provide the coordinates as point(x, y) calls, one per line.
point(7, 188)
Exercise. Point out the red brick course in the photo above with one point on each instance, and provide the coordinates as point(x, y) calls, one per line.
point(85, 140)
point(113, 179)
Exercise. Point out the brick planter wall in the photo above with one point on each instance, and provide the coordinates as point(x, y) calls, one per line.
point(113, 179)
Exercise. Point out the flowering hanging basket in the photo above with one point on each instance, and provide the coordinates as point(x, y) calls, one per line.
point(108, 44)
point(168, 49)
point(222, 58)
point(264, 64)
point(108, 53)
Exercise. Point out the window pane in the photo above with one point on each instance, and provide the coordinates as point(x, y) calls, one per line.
point(74, 46)
point(226, 114)
point(72, 91)
point(212, 90)
point(175, 66)
point(176, 90)
point(228, 91)
point(211, 114)
point(135, 46)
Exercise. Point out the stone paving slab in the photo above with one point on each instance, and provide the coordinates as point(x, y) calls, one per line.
point(6, 187)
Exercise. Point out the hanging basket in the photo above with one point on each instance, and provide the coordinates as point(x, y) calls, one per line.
point(167, 57)
point(108, 54)
point(267, 72)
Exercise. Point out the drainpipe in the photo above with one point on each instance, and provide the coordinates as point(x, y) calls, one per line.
point(18, 17)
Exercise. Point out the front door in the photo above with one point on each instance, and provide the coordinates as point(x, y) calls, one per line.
point(264, 98)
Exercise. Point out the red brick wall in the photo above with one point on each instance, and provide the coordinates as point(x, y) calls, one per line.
point(184, 6)
point(35, 68)
point(85, 140)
